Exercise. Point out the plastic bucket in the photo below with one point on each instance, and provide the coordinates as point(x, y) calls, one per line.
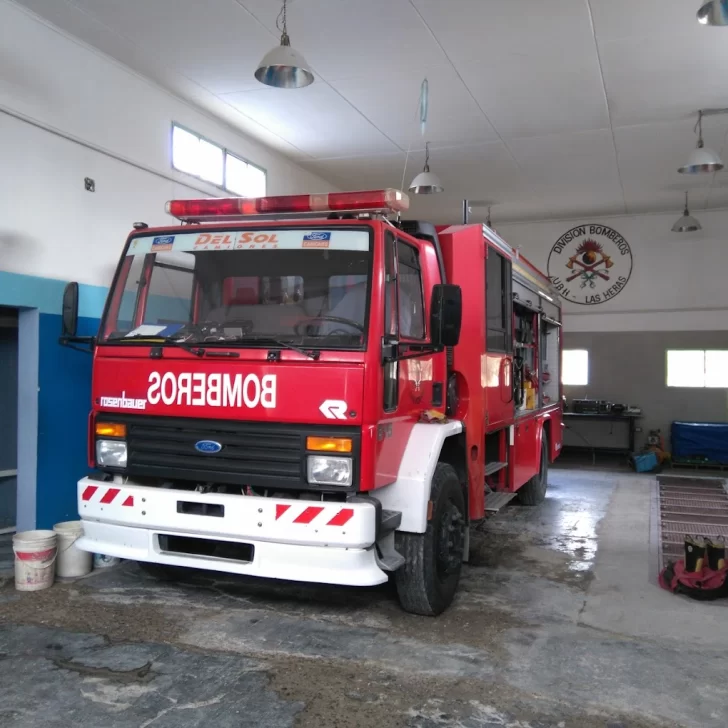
point(35, 559)
point(71, 560)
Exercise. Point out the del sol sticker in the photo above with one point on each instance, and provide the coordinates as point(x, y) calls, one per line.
point(590, 264)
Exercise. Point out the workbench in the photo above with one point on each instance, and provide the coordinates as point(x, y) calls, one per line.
point(627, 422)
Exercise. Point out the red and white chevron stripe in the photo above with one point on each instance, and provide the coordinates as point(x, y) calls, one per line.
point(309, 514)
point(105, 495)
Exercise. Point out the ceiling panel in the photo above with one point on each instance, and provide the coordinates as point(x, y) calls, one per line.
point(664, 77)
point(579, 159)
point(508, 26)
point(209, 42)
point(453, 115)
point(534, 71)
point(615, 19)
point(315, 119)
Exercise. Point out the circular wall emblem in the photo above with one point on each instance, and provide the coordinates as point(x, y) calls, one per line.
point(590, 264)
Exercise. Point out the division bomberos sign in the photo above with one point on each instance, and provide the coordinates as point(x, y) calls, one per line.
point(590, 264)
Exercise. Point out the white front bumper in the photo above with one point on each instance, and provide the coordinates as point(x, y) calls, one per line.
point(314, 541)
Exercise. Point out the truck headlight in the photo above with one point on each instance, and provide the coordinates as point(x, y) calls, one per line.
point(111, 453)
point(324, 470)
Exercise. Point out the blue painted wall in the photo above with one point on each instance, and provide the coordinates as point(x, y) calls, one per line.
point(58, 397)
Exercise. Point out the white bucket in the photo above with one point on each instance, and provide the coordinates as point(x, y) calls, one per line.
point(35, 559)
point(71, 560)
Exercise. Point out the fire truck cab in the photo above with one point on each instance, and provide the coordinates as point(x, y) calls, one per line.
point(302, 388)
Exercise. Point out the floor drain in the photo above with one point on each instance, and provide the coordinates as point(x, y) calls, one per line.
point(692, 506)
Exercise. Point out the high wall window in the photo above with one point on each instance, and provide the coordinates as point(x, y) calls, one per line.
point(575, 367)
point(201, 158)
point(697, 368)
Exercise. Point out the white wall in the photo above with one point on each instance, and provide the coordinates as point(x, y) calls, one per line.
point(678, 281)
point(49, 225)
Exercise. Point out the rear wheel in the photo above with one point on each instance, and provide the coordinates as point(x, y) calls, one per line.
point(534, 492)
point(427, 582)
point(162, 572)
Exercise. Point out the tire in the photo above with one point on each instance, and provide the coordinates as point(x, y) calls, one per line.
point(534, 491)
point(428, 580)
point(162, 572)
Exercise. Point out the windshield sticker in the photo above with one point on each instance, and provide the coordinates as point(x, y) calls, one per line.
point(254, 240)
point(317, 240)
point(146, 330)
point(123, 402)
point(152, 330)
point(164, 243)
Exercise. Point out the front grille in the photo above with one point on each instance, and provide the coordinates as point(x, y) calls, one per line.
point(270, 455)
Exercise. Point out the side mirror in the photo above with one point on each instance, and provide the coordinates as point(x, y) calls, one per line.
point(69, 311)
point(446, 312)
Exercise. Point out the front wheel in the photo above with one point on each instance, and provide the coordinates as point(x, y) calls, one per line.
point(428, 580)
point(534, 492)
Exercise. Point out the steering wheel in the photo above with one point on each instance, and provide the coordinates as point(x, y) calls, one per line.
point(325, 317)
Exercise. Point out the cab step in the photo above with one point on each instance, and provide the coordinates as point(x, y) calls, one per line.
point(494, 467)
point(390, 521)
point(387, 556)
point(495, 501)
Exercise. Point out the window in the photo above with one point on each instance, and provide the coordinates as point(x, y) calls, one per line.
point(498, 302)
point(391, 329)
point(196, 156)
point(212, 163)
point(243, 178)
point(411, 308)
point(697, 368)
point(575, 367)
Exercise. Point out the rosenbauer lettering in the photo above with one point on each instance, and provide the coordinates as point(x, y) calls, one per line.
point(212, 390)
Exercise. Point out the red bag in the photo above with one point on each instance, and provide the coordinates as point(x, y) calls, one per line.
point(705, 585)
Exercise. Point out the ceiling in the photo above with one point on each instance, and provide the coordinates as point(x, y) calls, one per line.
point(542, 109)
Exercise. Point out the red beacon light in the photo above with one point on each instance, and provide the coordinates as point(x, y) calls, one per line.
point(389, 200)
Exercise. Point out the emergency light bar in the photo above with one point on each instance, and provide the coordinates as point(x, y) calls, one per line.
point(389, 200)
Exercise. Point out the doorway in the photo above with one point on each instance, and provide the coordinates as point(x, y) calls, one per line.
point(8, 418)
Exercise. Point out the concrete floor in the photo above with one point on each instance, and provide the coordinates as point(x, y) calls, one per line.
point(558, 624)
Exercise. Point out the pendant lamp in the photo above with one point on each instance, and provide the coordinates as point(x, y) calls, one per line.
point(426, 182)
point(714, 12)
point(702, 159)
point(687, 223)
point(284, 67)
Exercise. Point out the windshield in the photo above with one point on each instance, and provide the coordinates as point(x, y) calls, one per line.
point(305, 287)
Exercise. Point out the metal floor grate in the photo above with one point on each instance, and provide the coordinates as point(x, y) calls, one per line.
point(689, 506)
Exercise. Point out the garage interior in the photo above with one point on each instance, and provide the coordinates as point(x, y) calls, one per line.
point(588, 135)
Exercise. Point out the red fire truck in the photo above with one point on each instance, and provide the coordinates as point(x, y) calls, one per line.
point(312, 388)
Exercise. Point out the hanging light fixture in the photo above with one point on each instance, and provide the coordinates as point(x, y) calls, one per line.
point(687, 223)
point(284, 67)
point(714, 12)
point(702, 159)
point(426, 182)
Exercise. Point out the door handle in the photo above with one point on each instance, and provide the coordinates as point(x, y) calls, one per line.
point(509, 362)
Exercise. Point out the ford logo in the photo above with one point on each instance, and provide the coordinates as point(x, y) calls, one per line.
point(208, 446)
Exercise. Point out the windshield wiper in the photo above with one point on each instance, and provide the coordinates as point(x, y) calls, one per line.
point(310, 353)
point(164, 341)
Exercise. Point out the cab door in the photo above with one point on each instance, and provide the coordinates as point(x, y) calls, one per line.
point(415, 382)
point(499, 402)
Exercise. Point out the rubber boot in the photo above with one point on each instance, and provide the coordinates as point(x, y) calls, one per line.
point(694, 554)
point(715, 553)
